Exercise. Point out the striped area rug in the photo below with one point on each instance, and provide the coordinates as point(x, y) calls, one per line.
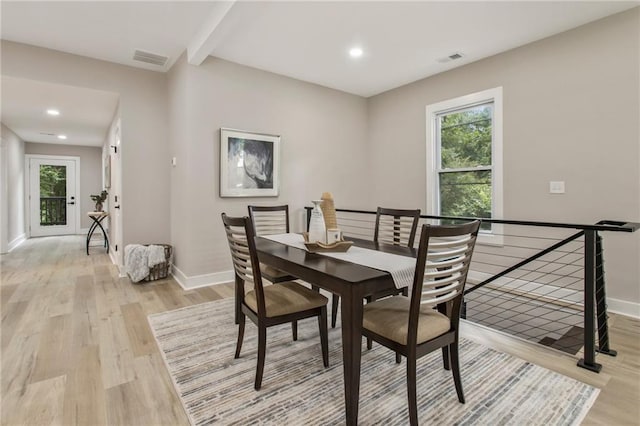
point(198, 345)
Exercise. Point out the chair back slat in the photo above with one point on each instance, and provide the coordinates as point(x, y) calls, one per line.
point(240, 237)
point(444, 256)
point(396, 227)
point(269, 220)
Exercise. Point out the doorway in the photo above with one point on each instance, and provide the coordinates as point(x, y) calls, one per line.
point(53, 187)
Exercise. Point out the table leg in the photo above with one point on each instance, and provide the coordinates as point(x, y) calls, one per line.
point(104, 234)
point(351, 353)
point(90, 233)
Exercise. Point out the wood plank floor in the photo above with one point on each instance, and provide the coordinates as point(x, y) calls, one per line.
point(76, 348)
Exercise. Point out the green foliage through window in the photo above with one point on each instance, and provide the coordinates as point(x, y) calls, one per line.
point(53, 195)
point(53, 181)
point(465, 162)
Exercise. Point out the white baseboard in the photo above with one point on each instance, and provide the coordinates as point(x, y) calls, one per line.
point(121, 272)
point(16, 242)
point(197, 281)
point(623, 307)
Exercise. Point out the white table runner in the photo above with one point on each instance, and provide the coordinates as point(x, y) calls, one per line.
point(401, 268)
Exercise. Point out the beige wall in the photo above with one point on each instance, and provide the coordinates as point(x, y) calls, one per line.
point(322, 147)
point(14, 150)
point(143, 110)
point(90, 171)
point(571, 112)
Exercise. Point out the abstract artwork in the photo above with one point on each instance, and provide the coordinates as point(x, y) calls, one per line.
point(249, 164)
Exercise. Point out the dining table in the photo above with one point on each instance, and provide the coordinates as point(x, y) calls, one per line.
point(352, 282)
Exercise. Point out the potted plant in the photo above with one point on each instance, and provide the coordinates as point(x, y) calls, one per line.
point(99, 199)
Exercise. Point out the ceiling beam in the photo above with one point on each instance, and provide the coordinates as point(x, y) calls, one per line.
point(204, 41)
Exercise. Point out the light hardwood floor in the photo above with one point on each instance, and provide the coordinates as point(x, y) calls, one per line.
point(77, 348)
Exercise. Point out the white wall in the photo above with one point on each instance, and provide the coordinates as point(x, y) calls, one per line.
point(90, 171)
point(571, 112)
point(322, 147)
point(15, 221)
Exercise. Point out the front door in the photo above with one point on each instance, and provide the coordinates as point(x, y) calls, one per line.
point(52, 196)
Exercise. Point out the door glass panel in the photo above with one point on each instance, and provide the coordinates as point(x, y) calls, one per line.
point(53, 195)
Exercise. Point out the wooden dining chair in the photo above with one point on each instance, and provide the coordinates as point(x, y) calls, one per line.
point(268, 305)
point(429, 319)
point(270, 220)
point(393, 226)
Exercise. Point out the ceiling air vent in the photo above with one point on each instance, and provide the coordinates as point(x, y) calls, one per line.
point(451, 57)
point(47, 134)
point(150, 58)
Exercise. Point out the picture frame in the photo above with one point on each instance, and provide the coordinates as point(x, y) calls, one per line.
point(249, 164)
point(107, 171)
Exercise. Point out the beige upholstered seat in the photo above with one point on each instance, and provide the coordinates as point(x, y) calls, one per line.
point(274, 275)
point(286, 298)
point(270, 220)
point(429, 320)
point(390, 318)
point(272, 304)
point(395, 227)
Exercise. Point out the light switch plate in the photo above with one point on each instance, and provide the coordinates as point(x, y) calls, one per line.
point(556, 187)
point(174, 161)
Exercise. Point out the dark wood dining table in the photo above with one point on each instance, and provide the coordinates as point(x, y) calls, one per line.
point(352, 282)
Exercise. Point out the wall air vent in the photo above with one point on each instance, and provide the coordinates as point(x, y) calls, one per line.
point(149, 58)
point(452, 57)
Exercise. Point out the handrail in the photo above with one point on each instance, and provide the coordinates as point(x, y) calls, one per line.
point(602, 225)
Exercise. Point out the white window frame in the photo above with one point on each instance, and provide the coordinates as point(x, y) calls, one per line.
point(495, 236)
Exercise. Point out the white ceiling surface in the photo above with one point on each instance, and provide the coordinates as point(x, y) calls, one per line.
point(85, 115)
point(402, 41)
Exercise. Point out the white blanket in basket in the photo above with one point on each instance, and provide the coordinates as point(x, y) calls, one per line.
point(138, 259)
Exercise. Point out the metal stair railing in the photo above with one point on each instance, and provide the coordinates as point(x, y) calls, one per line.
point(553, 288)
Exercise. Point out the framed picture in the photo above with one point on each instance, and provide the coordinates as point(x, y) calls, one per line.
point(107, 171)
point(249, 164)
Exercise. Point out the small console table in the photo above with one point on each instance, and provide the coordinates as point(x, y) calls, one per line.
point(97, 218)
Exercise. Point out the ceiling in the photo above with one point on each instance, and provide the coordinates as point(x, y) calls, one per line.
point(85, 115)
point(402, 41)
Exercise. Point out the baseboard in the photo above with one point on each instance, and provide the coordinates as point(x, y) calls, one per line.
point(121, 272)
point(623, 307)
point(197, 281)
point(16, 242)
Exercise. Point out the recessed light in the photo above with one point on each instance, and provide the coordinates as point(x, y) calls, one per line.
point(53, 112)
point(62, 136)
point(355, 52)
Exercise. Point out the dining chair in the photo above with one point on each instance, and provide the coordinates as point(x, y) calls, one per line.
point(270, 220)
point(429, 319)
point(268, 305)
point(393, 226)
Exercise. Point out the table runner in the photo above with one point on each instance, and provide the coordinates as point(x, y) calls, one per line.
point(401, 268)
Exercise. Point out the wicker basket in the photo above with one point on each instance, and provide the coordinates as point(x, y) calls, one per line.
point(161, 270)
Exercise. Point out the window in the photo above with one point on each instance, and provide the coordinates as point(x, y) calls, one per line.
point(464, 157)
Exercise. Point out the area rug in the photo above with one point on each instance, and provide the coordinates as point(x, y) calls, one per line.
point(198, 345)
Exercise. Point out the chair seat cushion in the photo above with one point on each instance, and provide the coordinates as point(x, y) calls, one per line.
point(286, 298)
point(390, 318)
point(274, 275)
